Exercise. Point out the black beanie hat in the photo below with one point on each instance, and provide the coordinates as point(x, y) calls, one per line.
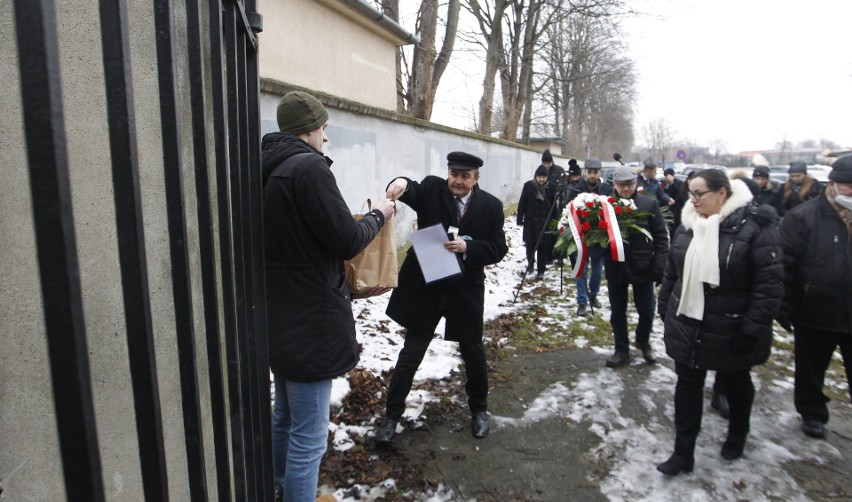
point(546, 156)
point(841, 170)
point(300, 112)
point(541, 171)
point(760, 171)
point(798, 166)
point(574, 169)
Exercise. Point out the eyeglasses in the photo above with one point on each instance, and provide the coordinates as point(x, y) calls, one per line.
point(697, 195)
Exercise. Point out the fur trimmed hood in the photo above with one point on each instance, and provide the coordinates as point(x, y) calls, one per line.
point(740, 196)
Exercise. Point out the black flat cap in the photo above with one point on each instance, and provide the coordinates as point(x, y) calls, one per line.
point(463, 161)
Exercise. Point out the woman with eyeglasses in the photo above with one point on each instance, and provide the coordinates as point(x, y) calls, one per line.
point(722, 286)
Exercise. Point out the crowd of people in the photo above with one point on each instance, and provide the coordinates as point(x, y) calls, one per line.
point(735, 256)
point(724, 266)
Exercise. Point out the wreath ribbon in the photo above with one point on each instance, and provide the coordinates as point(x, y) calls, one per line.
point(616, 244)
point(582, 250)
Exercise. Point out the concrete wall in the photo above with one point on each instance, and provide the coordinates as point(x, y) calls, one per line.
point(371, 147)
point(30, 463)
point(327, 46)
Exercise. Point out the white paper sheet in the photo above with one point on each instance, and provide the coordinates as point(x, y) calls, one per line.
point(435, 261)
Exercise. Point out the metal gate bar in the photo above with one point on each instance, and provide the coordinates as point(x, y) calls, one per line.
point(44, 130)
point(207, 245)
point(131, 248)
point(178, 251)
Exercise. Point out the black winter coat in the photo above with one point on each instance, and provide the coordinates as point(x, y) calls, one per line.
point(652, 188)
point(818, 267)
point(535, 214)
point(673, 190)
point(771, 195)
point(789, 198)
point(308, 232)
point(644, 260)
point(414, 302)
point(736, 330)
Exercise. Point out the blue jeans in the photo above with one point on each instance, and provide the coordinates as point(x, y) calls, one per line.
point(299, 435)
point(596, 255)
point(645, 303)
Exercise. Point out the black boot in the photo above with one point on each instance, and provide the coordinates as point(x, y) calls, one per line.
point(720, 404)
point(677, 464)
point(733, 448)
point(479, 425)
point(386, 431)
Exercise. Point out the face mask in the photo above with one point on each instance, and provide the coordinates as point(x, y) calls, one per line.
point(844, 200)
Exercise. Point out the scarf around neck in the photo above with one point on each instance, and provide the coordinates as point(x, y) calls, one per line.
point(701, 264)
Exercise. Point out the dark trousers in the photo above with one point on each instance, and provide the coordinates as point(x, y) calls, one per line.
point(416, 342)
point(689, 404)
point(645, 303)
point(814, 349)
point(542, 255)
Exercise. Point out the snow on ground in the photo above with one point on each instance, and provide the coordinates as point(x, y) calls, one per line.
point(594, 399)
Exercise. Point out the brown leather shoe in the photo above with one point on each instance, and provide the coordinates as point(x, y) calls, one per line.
point(618, 359)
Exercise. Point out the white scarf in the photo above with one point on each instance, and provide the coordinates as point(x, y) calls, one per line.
point(701, 264)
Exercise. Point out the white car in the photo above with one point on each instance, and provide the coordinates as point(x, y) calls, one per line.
point(819, 172)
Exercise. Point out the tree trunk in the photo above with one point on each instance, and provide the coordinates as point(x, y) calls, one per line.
point(423, 62)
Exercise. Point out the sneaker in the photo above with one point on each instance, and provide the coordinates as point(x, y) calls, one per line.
point(647, 352)
point(581, 310)
point(593, 301)
point(539, 275)
point(618, 359)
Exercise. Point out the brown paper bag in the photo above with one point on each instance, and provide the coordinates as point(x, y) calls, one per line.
point(376, 266)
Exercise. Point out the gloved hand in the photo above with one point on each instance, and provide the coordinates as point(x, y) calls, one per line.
point(784, 320)
point(743, 344)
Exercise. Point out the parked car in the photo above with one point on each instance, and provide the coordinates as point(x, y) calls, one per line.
point(819, 172)
point(694, 168)
point(779, 173)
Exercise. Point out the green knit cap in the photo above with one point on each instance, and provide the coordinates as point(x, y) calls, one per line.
point(300, 112)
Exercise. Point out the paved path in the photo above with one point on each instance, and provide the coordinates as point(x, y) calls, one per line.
point(565, 428)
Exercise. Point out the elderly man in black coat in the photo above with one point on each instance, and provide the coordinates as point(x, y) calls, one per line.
point(645, 260)
point(456, 201)
point(817, 241)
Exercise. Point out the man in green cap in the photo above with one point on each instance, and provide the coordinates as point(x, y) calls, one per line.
point(308, 232)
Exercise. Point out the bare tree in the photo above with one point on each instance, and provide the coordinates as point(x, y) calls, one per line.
point(417, 84)
point(587, 85)
point(658, 137)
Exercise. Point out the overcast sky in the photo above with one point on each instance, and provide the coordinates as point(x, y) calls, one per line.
point(748, 72)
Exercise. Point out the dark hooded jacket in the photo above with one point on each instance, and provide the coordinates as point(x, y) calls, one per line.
point(818, 267)
point(736, 330)
point(644, 259)
point(308, 232)
point(535, 210)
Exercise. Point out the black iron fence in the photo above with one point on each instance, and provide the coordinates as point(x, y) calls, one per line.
point(239, 392)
